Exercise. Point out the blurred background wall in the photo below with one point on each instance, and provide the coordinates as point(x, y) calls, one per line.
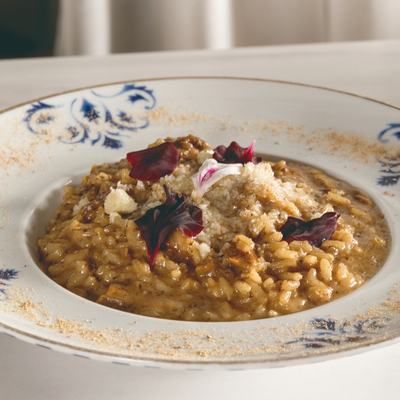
point(97, 27)
point(27, 28)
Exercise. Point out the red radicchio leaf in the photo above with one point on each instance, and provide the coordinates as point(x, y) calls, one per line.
point(314, 231)
point(159, 222)
point(153, 163)
point(236, 154)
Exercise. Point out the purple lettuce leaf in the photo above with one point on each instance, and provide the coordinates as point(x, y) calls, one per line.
point(234, 154)
point(153, 163)
point(315, 231)
point(158, 223)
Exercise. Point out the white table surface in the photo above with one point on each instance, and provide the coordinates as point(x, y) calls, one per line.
point(370, 69)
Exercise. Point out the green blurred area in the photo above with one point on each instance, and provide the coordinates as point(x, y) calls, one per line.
point(27, 28)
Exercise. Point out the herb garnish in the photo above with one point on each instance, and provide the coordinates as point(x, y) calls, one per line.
point(234, 153)
point(158, 223)
point(314, 231)
point(153, 163)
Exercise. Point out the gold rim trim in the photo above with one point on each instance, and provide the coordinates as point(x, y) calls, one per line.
point(203, 78)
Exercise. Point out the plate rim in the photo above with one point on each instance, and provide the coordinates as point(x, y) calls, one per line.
point(200, 77)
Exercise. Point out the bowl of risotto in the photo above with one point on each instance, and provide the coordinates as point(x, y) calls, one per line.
point(197, 223)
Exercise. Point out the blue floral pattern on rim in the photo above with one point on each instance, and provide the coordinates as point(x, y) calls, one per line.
point(97, 120)
point(6, 275)
point(390, 166)
point(327, 332)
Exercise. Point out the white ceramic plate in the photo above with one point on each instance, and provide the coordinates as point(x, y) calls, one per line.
point(345, 135)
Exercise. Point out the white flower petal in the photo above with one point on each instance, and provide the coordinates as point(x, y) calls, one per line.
point(211, 172)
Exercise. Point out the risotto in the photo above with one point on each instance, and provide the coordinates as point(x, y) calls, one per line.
point(242, 264)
